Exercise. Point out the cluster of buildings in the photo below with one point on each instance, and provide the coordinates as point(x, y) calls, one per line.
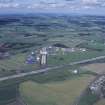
point(53, 50)
point(40, 56)
point(98, 86)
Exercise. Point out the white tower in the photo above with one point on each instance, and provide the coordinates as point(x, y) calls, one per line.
point(43, 53)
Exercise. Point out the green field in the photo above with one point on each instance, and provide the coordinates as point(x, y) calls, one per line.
point(73, 57)
point(57, 93)
point(16, 63)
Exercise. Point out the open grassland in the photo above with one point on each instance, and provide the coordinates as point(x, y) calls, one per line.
point(16, 63)
point(97, 67)
point(101, 102)
point(13, 62)
point(72, 57)
point(56, 93)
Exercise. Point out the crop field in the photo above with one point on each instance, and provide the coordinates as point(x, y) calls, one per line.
point(97, 67)
point(58, 93)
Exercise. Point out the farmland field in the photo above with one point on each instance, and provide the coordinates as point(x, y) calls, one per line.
point(58, 93)
point(73, 57)
point(97, 67)
point(17, 63)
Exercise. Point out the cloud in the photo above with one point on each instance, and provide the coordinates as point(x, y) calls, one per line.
point(9, 5)
point(93, 3)
point(90, 1)
point(52, 4)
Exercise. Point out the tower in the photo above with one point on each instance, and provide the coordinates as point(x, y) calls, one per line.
point(43, 54)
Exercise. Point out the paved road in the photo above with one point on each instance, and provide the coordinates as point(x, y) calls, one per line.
point(48, 69)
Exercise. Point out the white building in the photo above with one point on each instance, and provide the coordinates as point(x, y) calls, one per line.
point(43, 59)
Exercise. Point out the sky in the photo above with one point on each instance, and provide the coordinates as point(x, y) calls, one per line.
point(53, 6)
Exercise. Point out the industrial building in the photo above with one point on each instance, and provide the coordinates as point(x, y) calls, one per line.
point(98, 86)
point(43, 56)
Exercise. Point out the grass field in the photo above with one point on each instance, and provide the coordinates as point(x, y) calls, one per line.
point(72, 57)
point(15, 63)
point(18, 61)
point(56, 93)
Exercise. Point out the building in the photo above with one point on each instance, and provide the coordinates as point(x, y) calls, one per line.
point(98, 86)
point(31, 59)
point(43, 56)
